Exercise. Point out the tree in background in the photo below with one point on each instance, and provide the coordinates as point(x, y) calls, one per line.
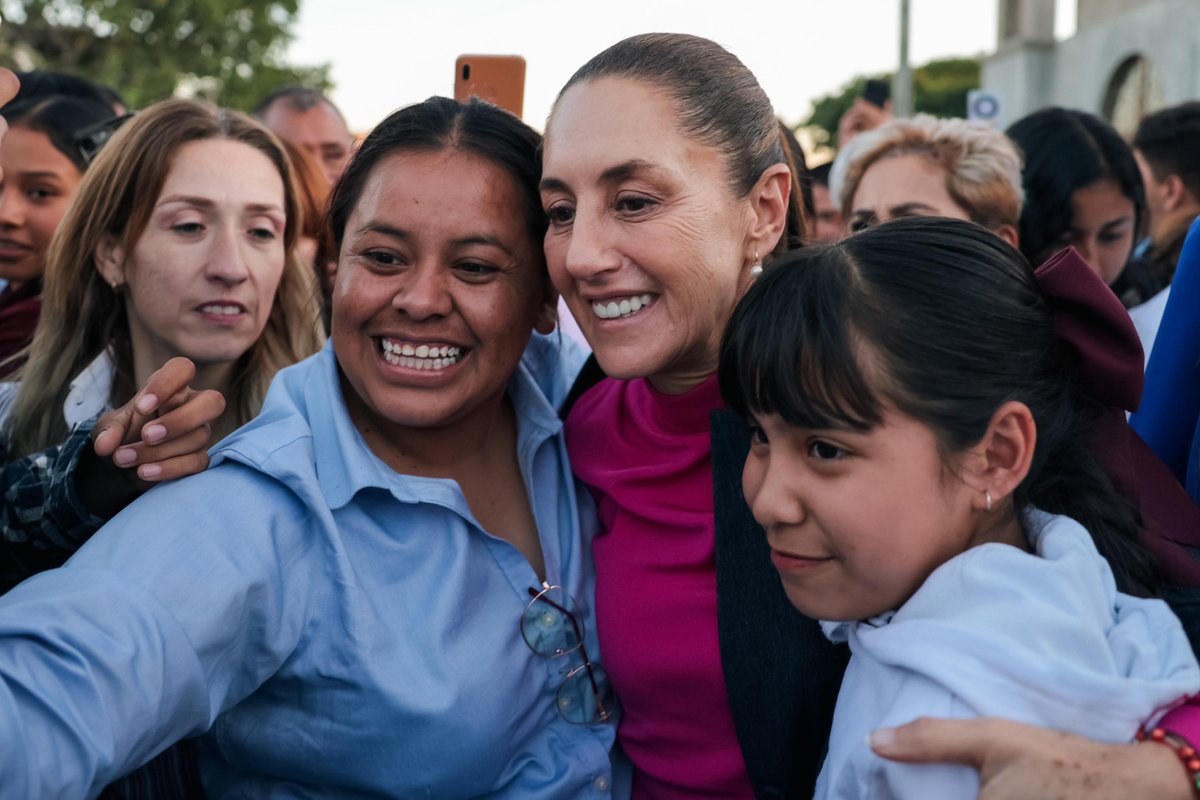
point(939, 88)
point(226, 51)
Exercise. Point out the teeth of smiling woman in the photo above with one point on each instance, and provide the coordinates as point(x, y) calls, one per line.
point(421, 356)
point(228, 311)
point(621, 308)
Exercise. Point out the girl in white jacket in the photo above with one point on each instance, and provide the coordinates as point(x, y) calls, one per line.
point(919, 404)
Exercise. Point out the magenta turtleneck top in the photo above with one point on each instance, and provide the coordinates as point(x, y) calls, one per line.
point(647, 458)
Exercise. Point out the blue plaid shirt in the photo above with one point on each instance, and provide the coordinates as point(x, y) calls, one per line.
point(42, 519)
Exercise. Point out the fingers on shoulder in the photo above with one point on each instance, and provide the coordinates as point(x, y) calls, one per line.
point(169, 469)
point(191, 409)
point(927, 739)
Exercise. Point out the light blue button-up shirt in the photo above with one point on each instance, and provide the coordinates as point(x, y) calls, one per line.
point(339, 630)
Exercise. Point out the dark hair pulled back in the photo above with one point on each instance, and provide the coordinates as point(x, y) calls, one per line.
point(718, 102)
point(439, 123)
point(59, 117)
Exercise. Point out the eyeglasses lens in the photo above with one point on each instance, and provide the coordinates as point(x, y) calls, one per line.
point(551, 628)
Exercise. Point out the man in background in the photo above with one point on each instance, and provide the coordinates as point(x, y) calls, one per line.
point(307, 119)
point(1165, 147)
point(828, 225)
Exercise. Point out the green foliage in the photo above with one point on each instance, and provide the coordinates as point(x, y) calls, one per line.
point(822, 124)
point(939, 88)
point(225, 51)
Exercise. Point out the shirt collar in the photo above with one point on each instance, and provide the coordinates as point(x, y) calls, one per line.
point(345, 464)
point(90, 390)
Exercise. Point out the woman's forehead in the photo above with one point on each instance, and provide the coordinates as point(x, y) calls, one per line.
point(608, 123)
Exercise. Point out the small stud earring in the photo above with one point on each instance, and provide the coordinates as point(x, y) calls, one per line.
point(988, 497)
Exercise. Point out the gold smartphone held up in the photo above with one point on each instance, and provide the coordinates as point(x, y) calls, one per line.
point(497, 79)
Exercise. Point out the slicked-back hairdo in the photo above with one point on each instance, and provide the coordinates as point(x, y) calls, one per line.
point(718, 102)
point(476, 127)
point(60, 117)
point(39, 84)
point(941, 320)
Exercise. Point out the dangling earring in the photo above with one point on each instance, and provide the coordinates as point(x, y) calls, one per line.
point(756, 269)
point(988, 497)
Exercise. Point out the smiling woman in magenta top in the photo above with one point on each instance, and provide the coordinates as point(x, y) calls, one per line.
point(657, 225)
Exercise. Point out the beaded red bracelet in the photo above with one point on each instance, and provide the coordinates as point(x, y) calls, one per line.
point(1187, 754)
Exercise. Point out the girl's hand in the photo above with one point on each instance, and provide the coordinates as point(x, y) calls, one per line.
point(1024, 762)
point(164, 430)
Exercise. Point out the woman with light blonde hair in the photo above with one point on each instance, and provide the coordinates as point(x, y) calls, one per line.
point(926, 166)
point(181, 242)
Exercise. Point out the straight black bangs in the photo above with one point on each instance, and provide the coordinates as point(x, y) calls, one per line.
point(791, 348)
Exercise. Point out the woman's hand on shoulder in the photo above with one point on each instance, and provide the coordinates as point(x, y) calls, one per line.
point(164, 430)
point(1023, 762)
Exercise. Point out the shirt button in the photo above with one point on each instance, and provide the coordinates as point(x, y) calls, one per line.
point(601, 784)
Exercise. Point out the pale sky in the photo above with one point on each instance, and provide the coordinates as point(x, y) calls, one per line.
point(388, 53)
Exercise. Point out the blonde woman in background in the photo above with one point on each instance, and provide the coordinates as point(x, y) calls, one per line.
point(181, 242)
point(42, 519)
point(926, 166)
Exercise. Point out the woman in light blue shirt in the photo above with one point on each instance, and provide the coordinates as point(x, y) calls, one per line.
point(382, 587)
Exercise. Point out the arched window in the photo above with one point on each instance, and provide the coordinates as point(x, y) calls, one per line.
point(1133, 91)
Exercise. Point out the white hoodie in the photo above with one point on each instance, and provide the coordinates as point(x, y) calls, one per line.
point(1044, 639)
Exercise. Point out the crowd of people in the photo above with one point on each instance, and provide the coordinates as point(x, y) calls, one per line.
point(305, 493)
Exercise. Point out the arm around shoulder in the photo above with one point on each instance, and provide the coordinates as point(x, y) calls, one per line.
point(1016, 761)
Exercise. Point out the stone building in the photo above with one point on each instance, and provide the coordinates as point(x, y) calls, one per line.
point(1126, 58)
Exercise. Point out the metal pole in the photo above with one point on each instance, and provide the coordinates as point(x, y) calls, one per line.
point(902, 90)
